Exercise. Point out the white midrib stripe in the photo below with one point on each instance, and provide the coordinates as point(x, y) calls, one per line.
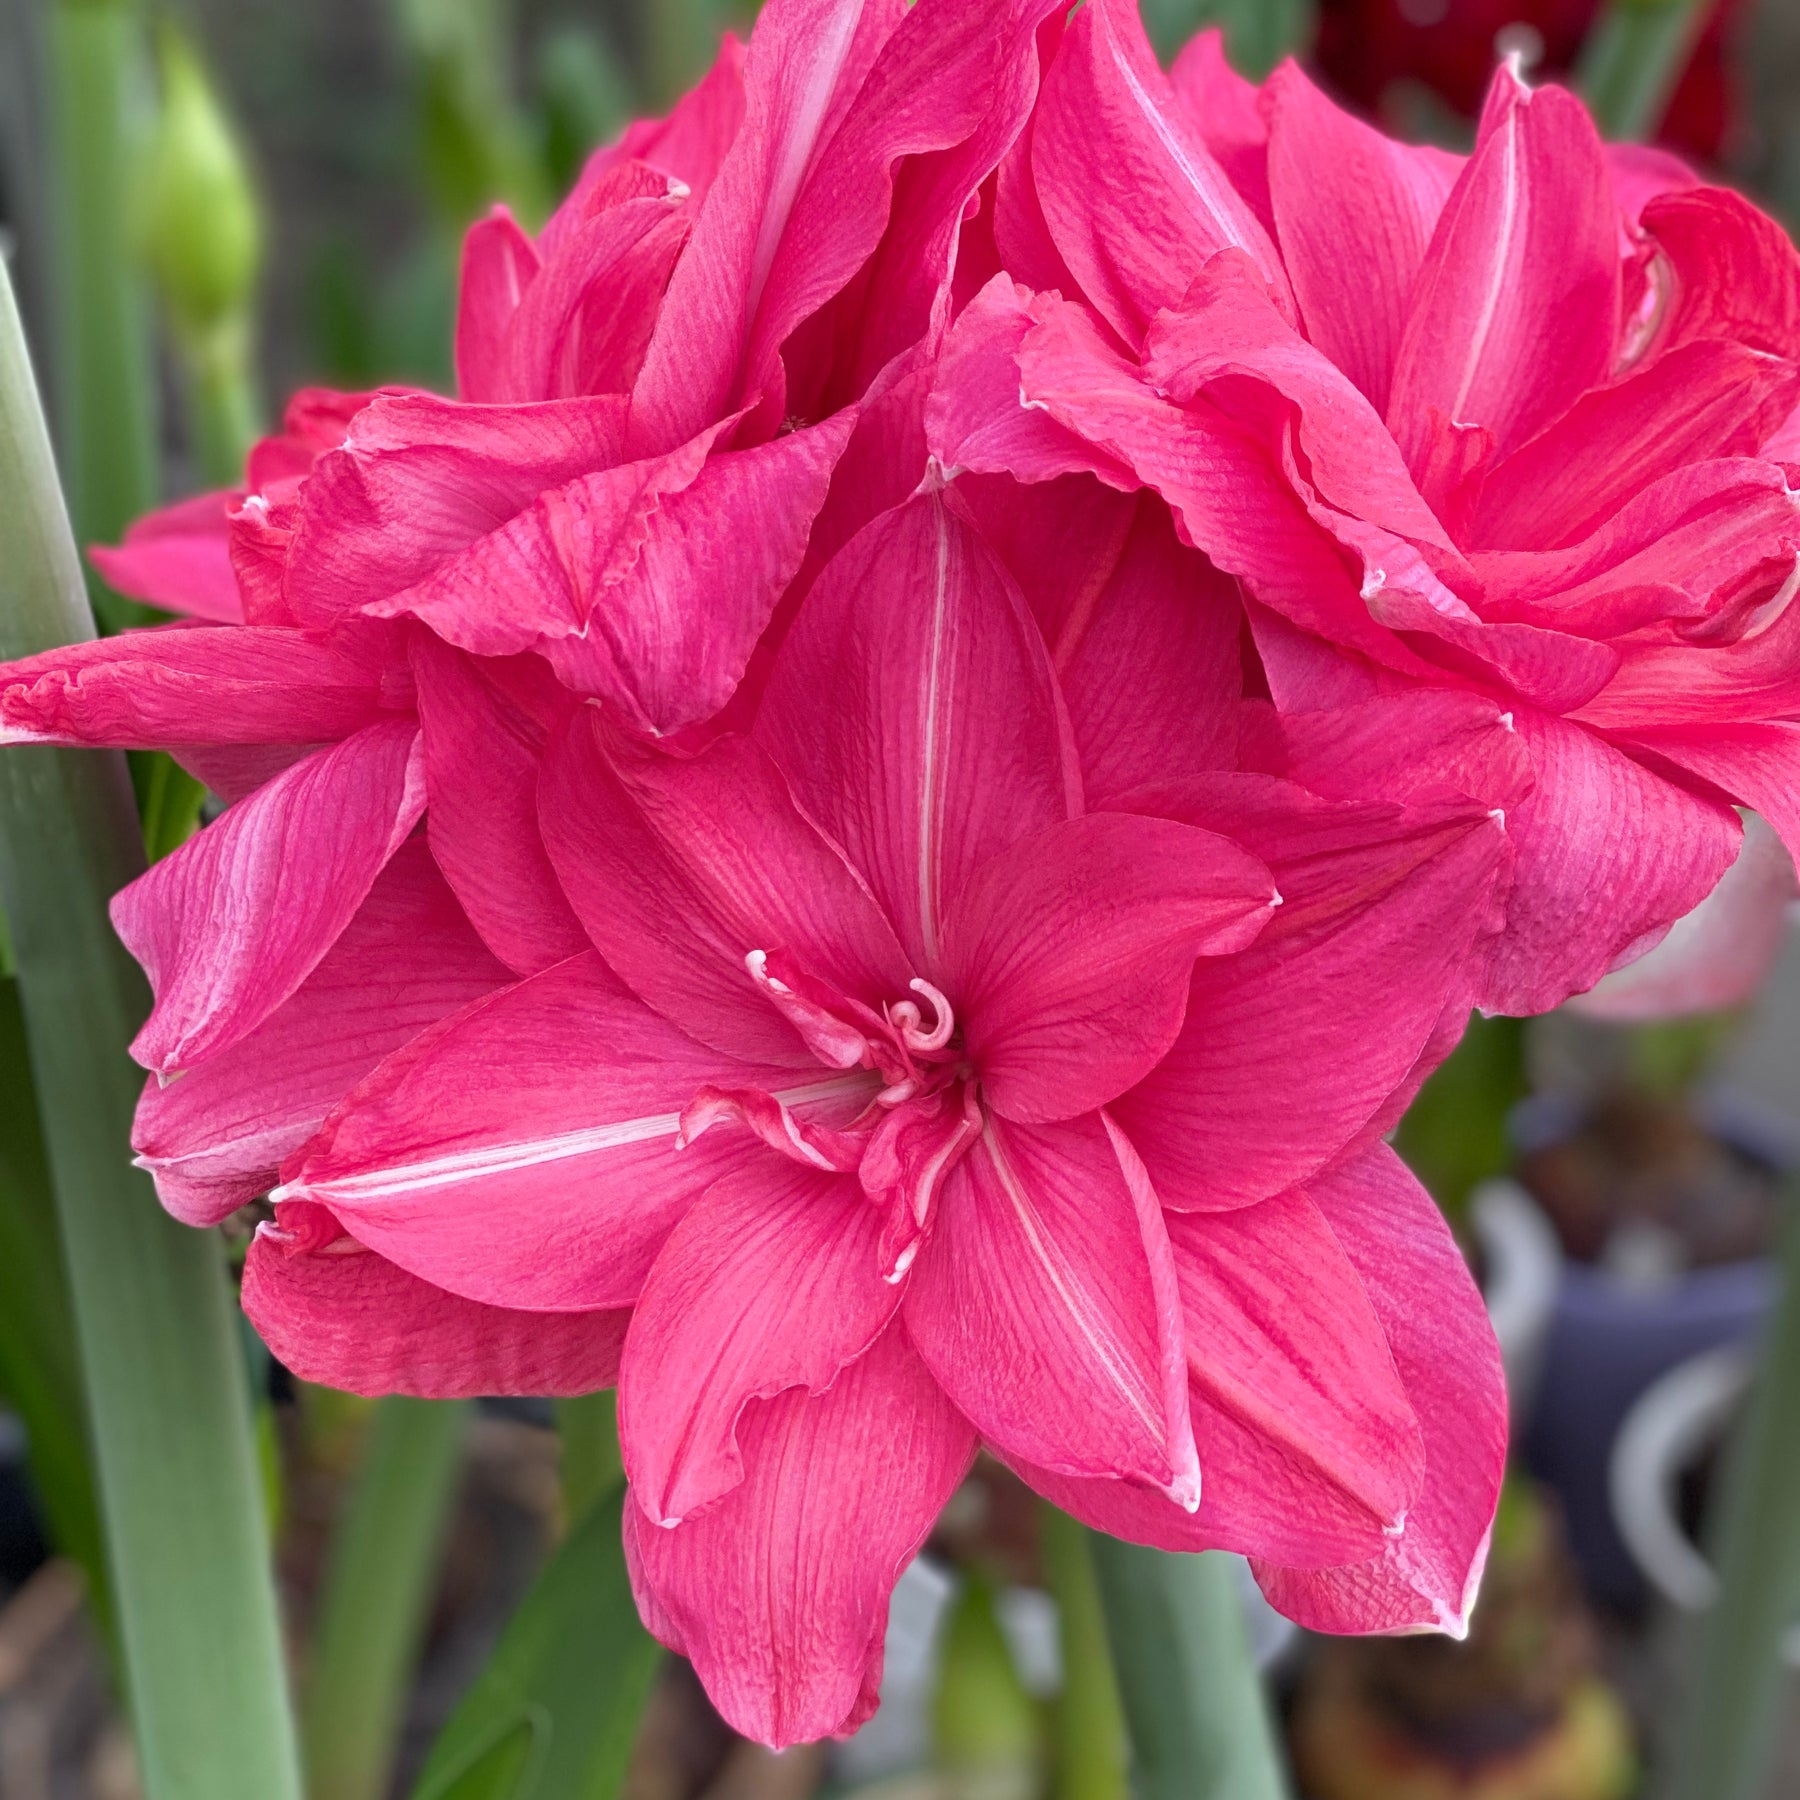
point(797, 147)
point(1490, 301)
point(1119, 1373)
point(931, 773)
point(503, 1159)
point(1206, 191)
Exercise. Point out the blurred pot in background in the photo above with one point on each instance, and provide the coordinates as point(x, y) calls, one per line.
point(1666, 1213)
point(1374, 51)
point(1517, 1711)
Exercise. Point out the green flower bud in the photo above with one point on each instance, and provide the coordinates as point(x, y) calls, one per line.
point(200, 227)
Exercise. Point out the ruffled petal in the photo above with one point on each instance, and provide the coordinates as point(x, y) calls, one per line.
point(353, 1320)
point(1425, 1579)
point(230, 924)
point(215, 1138)
point(1133, 197)
point(772, 1281)
point(778, 1593)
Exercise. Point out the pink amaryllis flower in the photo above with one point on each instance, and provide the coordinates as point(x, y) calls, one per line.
point(1514, 424)
point(969, 1053)
point(410, 592)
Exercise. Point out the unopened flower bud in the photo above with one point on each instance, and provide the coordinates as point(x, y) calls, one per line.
point(201, 230)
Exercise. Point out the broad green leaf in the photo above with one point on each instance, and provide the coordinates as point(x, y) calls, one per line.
point(554, 1713)
point(40, 1370)
point(188, 1546)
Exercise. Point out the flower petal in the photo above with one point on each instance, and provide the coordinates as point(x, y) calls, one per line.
point(682, 868)
point(669, 641)
point(1069, 954)
point(215, 1138)
point(1045, 1303)
point(1292, 1047)
point(806, 61)
point(419, 481)
point(1444, 1349)
point(1133, 197)
point(1716, 956)
point(1356, 211)
point(1737, 275)
point(913, 711)
point(778, 1594)
point(229, 925)
point(524, 1152)
point(1284, 1347)
point(772, 1281)
point(1609, 856)
point(483, 754)
point(357, 1322)
point(1516, 306)
point(189, 686)
point(178, 558)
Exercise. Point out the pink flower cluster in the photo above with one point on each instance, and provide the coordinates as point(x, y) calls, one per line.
point(866, 834)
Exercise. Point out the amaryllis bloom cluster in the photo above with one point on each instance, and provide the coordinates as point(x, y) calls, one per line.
point(865, 835)
point(1514, 424)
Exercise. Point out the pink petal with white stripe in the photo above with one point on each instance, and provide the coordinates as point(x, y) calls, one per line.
point(770, 1282)
point(778, 1593)
point(229, 925)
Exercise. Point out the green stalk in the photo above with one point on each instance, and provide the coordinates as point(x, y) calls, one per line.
point(1733, 1708)
point(1633, 59)
point(40, 1367)
point(377, 1596)
point(1258, 33)
point(1194, 1703)
point(588, 1425)
point(166, 1394)
point(223, 408)
point(680, 38)
point(1089, 1745)
point(106, 390)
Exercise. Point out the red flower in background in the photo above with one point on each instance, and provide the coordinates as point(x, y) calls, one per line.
point(1366, 46)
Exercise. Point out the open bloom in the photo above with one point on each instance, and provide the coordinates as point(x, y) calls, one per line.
point(1515, 424)
point(919, 1092)
point(410, 592)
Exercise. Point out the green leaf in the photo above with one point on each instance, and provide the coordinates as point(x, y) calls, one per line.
point(106, 387)
point(378, 1589)
point(40, 1369)
point(1258, 33)
point(169, 801)
point(187, 1542)
point(1194, 1704)
point(1632, 59)
point(554, 1714)
point(1092, 1753)
point(588, 1427)
point(1733, 1709)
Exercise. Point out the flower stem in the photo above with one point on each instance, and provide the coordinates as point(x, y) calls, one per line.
point(1734, 1705)
point(164, 1374)
point(224, 412)
point(106, 389)
point(378, 1588)
point(1194, 1704)
point(588, 1425)
point(1633, 59)
point(1090, 1747)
